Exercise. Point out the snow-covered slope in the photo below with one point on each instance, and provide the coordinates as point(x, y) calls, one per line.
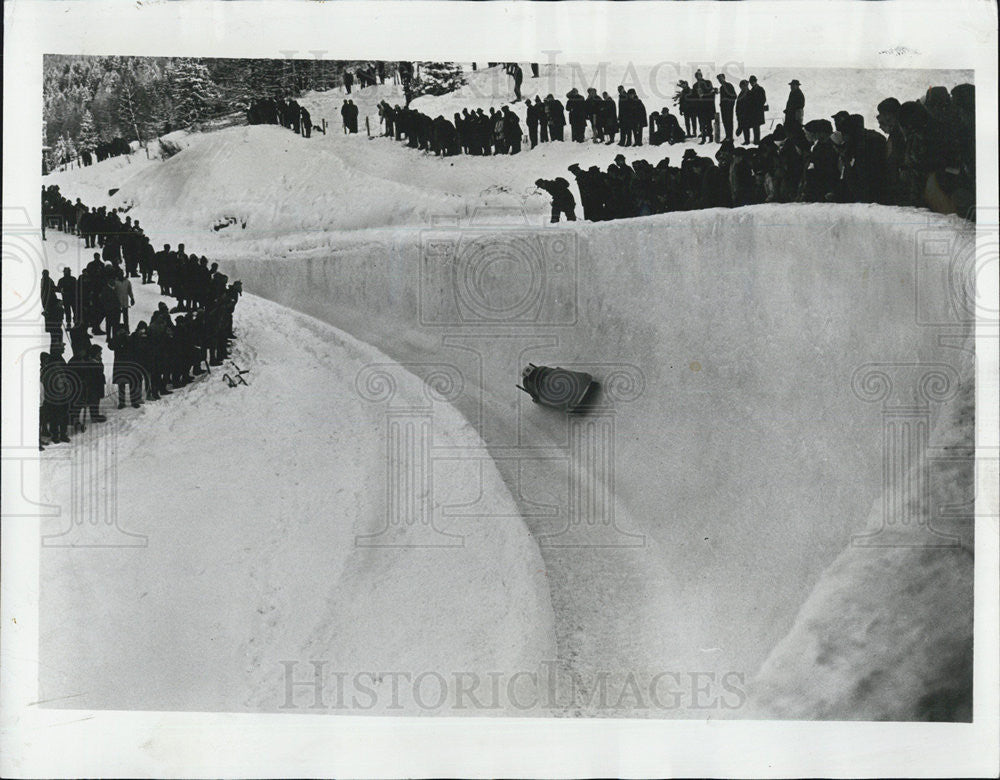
point(259, 504)
point(892, 612)
point(743, 455)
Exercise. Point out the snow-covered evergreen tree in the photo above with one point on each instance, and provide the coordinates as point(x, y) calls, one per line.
point(437, 78)
point(194, 96)
point(135, 102)
point(87, 138)
point(64, 151)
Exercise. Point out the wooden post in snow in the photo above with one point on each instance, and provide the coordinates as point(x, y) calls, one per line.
point(368, 128)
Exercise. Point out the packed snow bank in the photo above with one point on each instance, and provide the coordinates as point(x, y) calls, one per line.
point(732, 457)
point(887, 632)
point(272, 542)
point(92, 183)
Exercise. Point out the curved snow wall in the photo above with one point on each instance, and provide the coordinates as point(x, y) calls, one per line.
point(768, 375)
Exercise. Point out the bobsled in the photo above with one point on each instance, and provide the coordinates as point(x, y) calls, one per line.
point(558, 388)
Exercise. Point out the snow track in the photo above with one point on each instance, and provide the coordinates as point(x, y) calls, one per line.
point(739, 455)
point(254, 500)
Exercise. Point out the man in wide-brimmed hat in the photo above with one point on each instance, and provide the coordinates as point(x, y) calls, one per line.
point(795, 105)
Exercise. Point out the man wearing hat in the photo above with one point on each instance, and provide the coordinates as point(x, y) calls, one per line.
point(555, 117)
point(623, 166)
point(727, 103)
point(756, 108)
point(563, 201)
point(795, 105)
point(589, 183)
point(59, 390)
point(839, 120)
point(822, 164)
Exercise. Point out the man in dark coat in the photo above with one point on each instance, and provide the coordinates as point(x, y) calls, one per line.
point(518, 75)
point(594, 107)
point(53, 314)
point(822, 167)
point(345, 113)
point(533, 121)
point(576, 107)
point(795, 105)
point(556, 117)
point(563, 201)
point(624, 118)
point(348, 81)
point(147, 260)
point(161, 332)
point(756, 108)
point(684, 99)
point(704, 98)
point(543, 122)
point(111, 253)
point(108, 301)
point(306, 122)
point(670, 127)
point(352, 111)
point(58, 390)
point(742, 106)
point(500, 145)
point(637, 118)
point(164, 263)
point(68, 293)
point(727, 104)
point(590, 183)
point(609, 118)
point(511, 130)
point(92, 374)
point(888, 122)
point(125, 371)
point(142, 354)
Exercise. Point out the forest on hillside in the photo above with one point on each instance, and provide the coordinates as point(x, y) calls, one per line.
point(92, 102)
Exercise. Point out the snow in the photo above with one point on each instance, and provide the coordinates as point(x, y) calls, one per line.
point(742, 459)
point(252, 499)
point(874, 592)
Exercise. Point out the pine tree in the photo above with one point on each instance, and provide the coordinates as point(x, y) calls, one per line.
point(135, 102)
point(437, 78)
point(64, 151)
point(193, 95)
point(87, 138)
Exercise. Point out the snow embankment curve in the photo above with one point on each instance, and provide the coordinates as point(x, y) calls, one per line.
point(278, 541)
point(735, 454)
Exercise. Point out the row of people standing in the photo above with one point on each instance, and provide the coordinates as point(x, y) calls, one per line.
point(622, 118)
point(926, 157)
point(476, 132)
point(278, 111)
point(166, 351)
point(696, 104)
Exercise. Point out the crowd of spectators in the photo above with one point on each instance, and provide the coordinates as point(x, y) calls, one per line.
point(924, 156)
point(277, 111)
point(167, 352)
